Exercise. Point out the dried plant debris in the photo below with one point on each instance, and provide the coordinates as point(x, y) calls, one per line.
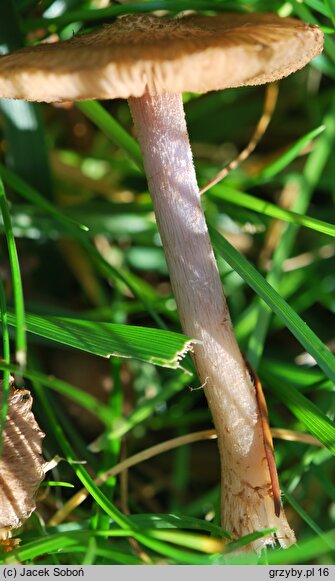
point(22, 466)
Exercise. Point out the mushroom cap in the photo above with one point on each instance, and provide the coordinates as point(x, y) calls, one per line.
point(142, 53)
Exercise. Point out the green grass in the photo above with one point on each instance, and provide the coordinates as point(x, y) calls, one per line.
point(21, 340)
point(85, 293)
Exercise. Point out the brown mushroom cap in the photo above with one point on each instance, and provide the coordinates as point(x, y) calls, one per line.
point(138, 53)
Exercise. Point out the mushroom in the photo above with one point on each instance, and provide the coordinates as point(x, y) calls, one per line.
point(151, 61)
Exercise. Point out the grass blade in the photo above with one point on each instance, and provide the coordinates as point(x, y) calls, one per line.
point(112, 129)
point(36, 198)
point(238, 198)
point(6, 358)
point(307, 412)
point(293, 322)
point(21, 341)
point(22, 121)
point(305, 185)
point(106, 269)
point(305, 516)
point(164, 348)
point(277, 166)
point(306, 552)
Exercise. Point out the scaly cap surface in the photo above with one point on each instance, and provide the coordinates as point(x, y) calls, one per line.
point(162, 55)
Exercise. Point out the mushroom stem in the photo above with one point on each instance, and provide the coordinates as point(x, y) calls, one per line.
point(247, 502)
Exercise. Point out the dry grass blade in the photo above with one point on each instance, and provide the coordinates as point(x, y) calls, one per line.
point(22, 466)
point(292, 436)
point(82, 494)
point(262, 125)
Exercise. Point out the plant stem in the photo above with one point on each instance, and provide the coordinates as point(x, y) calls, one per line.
point(247, 503)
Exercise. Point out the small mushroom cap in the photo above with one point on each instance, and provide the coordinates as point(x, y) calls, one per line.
point(145, 53)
